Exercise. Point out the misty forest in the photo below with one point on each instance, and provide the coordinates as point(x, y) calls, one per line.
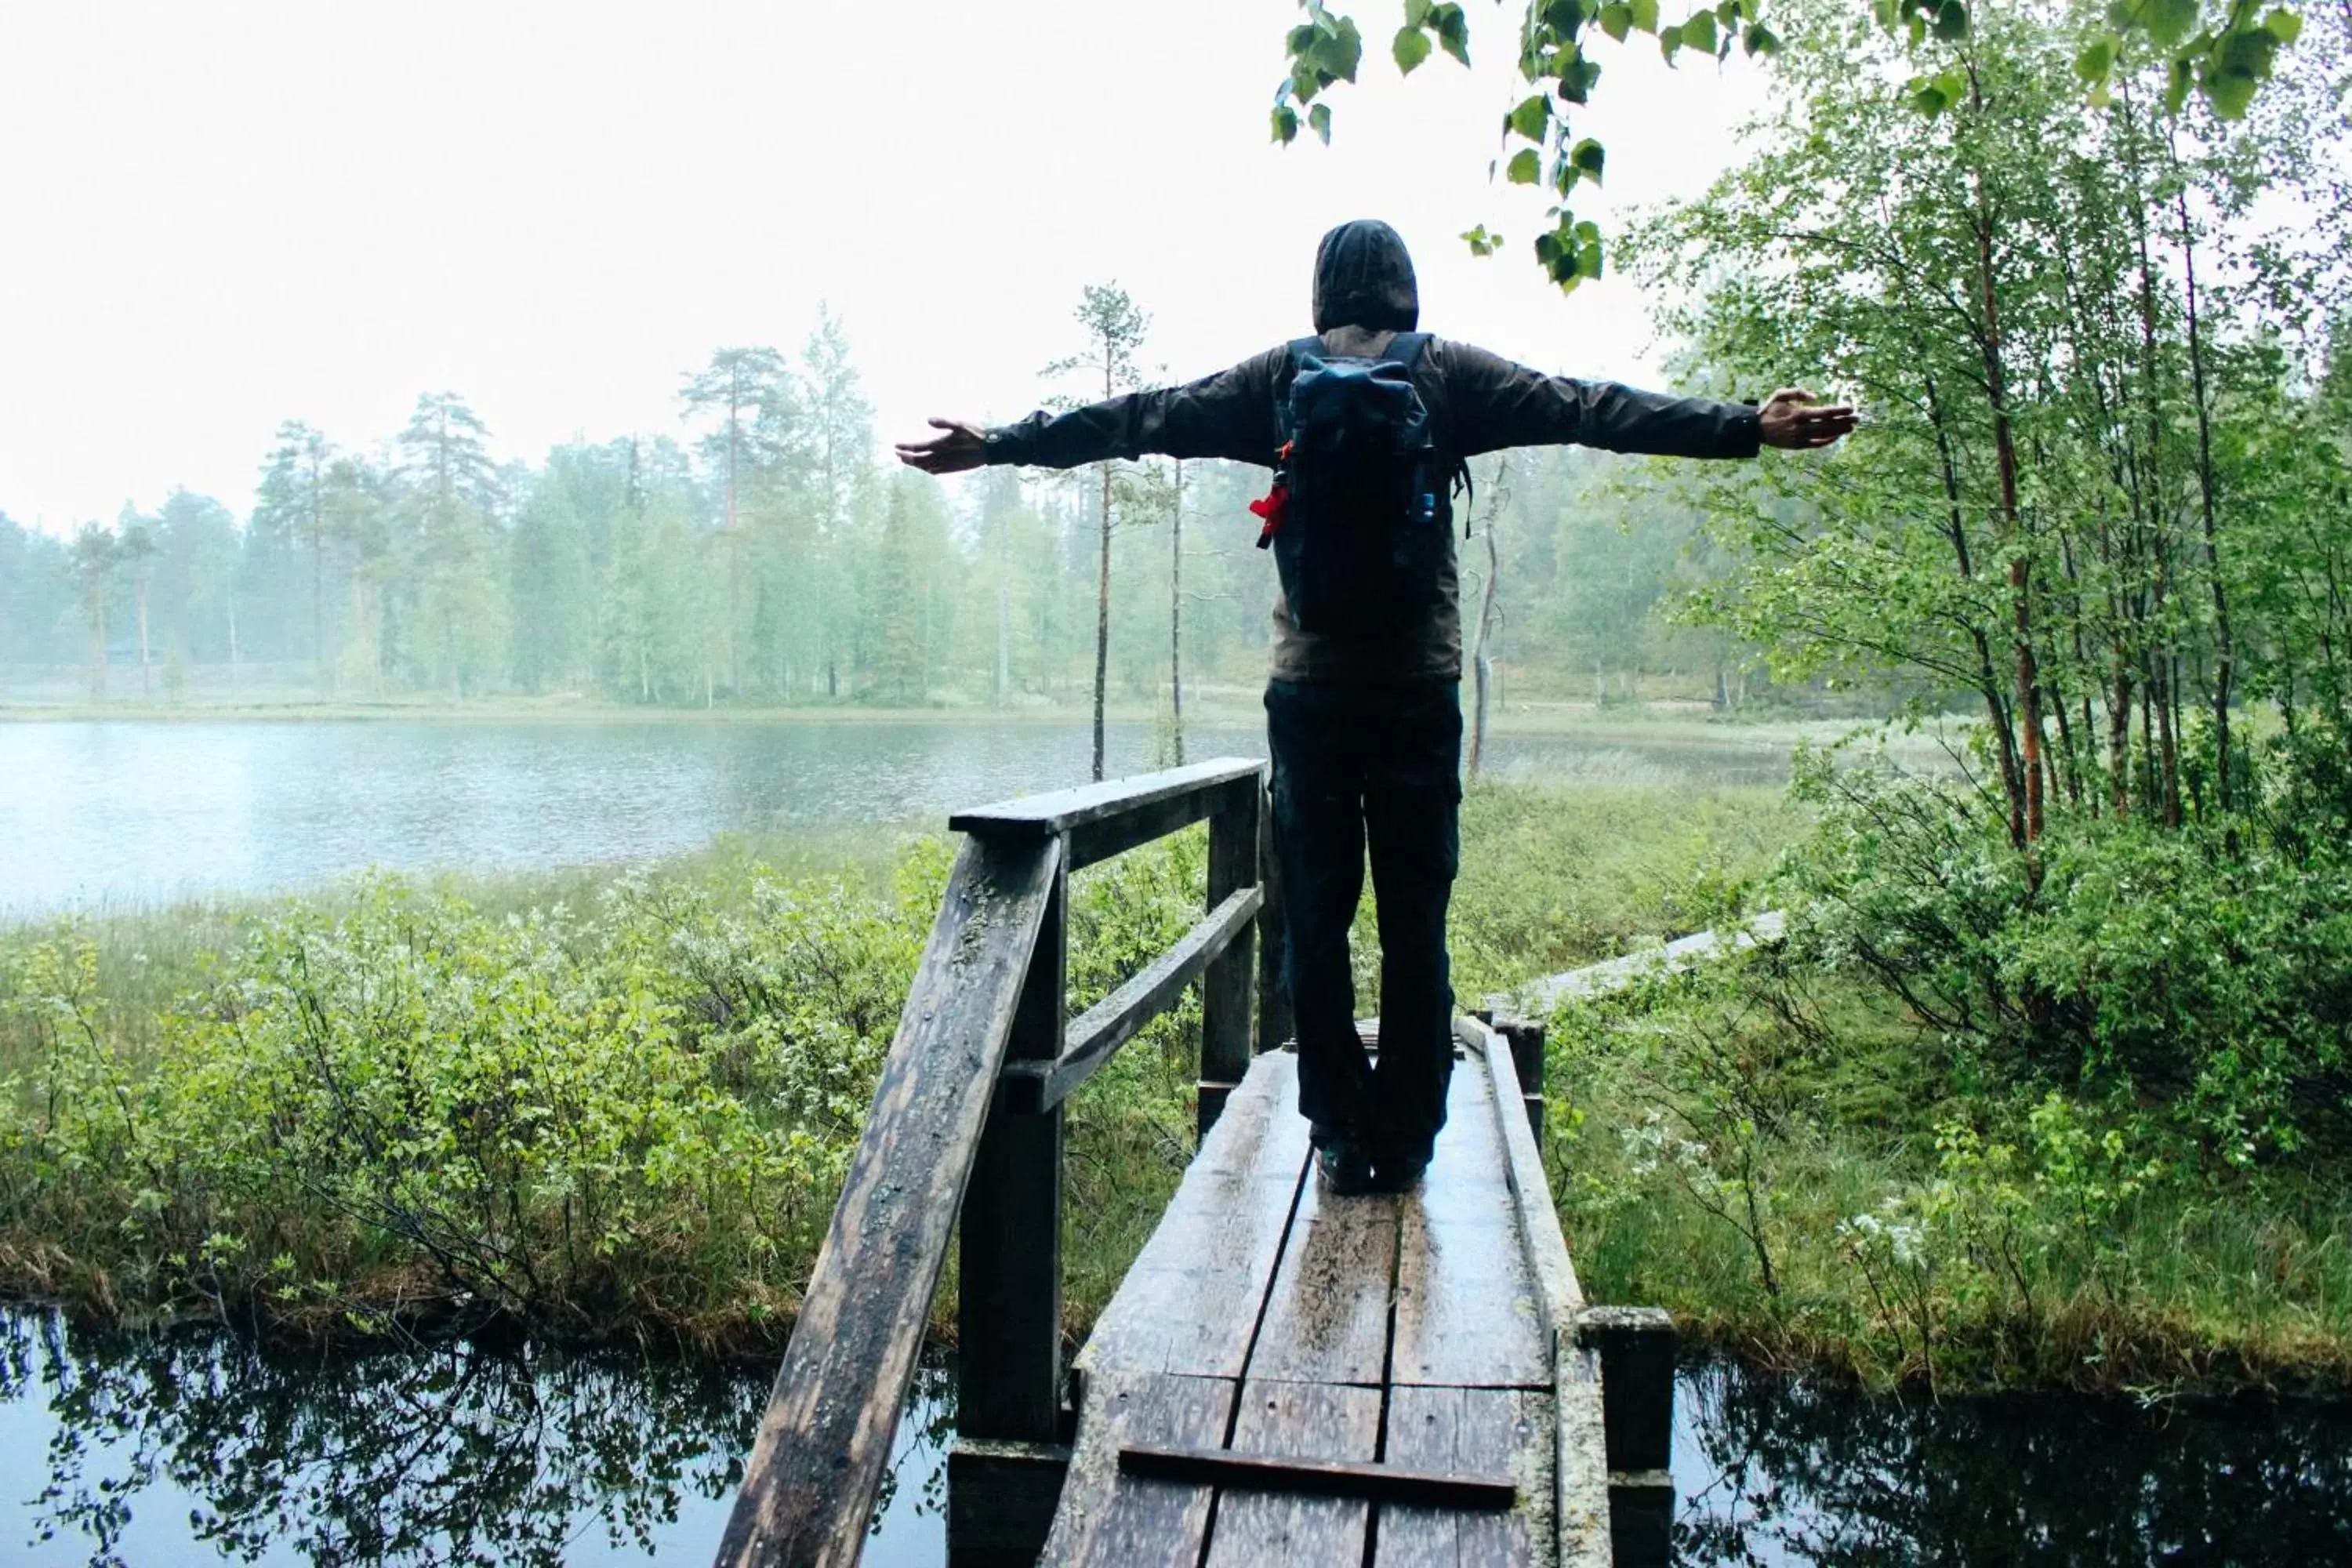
point(761, 553)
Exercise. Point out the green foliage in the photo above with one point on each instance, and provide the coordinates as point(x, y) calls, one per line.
point(2198, 975)
point(1553, 879)
point(2228, 60)
point(580, 1122)
point(1769, 1152)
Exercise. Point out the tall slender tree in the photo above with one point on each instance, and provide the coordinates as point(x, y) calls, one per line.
point(291, 505)
point(96, 562)
point(735, 386)
point(1114, 329)
point(452, 487)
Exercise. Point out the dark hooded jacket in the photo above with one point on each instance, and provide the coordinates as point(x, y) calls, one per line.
point(1364, 295)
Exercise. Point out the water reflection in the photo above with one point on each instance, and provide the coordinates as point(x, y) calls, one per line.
point(1772, 1470)
point(142, 1450)
point(131, 1451)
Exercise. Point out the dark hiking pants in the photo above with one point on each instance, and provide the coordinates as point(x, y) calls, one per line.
point(1378, 766)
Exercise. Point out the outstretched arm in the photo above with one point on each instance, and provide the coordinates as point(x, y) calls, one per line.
point(1228, 415)
point(1500, 404)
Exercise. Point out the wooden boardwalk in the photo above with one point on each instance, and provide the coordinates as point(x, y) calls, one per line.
point(1286, 1376)
point(1424, 1344)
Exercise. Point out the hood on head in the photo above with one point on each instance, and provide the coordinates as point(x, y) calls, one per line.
point(1364, 279)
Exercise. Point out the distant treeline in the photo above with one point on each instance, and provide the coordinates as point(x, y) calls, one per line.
point(768, 552)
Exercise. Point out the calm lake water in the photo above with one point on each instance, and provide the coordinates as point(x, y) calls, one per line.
point(113, 813)
point(130, 1451)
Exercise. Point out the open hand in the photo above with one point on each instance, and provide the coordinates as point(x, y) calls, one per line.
point(1793, 420)
point(959, 447)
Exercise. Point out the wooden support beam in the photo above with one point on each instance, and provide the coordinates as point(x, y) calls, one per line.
point(1321, 1478)
point(1226, 983)
point(1001, 1500)
point(1009, 1276)
point(1106, 819)
point(1637, 1382)
point(1096, 1034)
point(1526, 1042)
point(810, 1484)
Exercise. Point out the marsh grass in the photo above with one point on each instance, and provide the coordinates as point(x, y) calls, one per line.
point(721, 1015)
point(1821, 1191)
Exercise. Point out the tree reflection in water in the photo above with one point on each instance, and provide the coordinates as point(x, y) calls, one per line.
point(461, 1455)
point(1780, 1470)
point(450, 1454)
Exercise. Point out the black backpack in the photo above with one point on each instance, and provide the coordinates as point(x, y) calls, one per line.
point(1360, 507)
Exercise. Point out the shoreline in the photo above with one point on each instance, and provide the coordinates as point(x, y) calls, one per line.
point(1645, 720)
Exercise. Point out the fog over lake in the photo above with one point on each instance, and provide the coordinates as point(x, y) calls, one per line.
point(97, 815)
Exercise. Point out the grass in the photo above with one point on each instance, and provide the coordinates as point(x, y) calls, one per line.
point(720, 1017)
point(1924, 1224)
point(742, 994)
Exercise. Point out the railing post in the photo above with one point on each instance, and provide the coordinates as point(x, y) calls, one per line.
point(1526, 1042)
point(1637, 1395)
point(1273, 1003)
point(1225, 985)
point(1004, 1474)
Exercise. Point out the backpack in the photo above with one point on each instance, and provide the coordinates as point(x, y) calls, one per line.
point(1357, 516)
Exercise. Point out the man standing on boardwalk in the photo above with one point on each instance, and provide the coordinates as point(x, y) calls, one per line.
point(1363, 709)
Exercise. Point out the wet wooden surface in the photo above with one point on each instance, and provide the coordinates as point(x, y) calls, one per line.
point(825, 1439)
point(1270, 1317)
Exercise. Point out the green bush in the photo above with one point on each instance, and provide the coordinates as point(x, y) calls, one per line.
point(2207, 967)
point(636, 1117)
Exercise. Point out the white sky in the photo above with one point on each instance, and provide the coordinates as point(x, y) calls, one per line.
point(214, 217)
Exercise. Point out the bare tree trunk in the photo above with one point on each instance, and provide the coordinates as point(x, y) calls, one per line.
point(146, 684)
point(1102, 622)
point(2021, 569)
point(1481, 667)
point(1176, 613)
point(323, 672)
point(2224, 648)
point(1003, 610)
point(1988, 681)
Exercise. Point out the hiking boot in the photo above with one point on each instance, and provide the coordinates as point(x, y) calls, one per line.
point(1399, 1172)
point(1344, 1167)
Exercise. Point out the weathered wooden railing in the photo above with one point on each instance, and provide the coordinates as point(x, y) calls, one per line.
point(968, 1119)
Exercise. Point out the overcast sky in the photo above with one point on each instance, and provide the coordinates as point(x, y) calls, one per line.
point(216, 217)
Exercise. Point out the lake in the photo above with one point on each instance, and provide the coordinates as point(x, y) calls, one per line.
point(190, 1448)
point(113, 813)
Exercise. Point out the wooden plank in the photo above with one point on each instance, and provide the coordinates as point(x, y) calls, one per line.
point(1376, 1482)
point(1582, 1466)
point(1559, 1297)
point(1466, 1312)
point(1114, 1520)
point(1485, 1430)
point(1216, 1244)
point(1095, 1034)
point(810, 1483)
point(1537, 999)
point(1063, 811)
point(1327, 1313)
point(1228, 1296)
point(1009, 1274)
point(1580, 1469)
point(1225, 985)
point(1280, 1530)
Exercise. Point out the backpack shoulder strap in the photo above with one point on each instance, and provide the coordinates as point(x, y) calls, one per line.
point(1301, 348)
point(1405, 348)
